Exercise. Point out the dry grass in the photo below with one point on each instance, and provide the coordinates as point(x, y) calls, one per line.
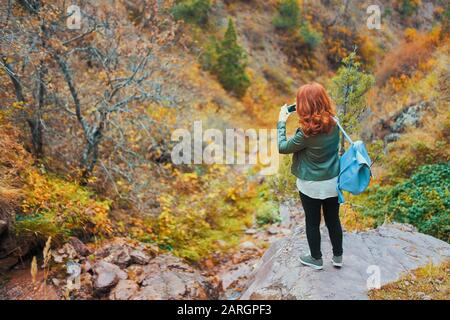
point(427, 283)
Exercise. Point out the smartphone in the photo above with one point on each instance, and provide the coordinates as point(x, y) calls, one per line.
point(292, 108)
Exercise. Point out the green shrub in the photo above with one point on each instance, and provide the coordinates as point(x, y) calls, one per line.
point(268, 213)
point(408, 7)
point(283, 183)
point(297, 34)
point(309, 35)
point(192, 11)
point(349, 89)
point(288, 17)
point(423, 201)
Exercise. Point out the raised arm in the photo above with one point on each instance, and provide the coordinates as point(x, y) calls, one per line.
point(294, 144)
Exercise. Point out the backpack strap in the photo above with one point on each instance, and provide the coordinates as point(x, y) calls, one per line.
point(341, 198)
point(343, 131)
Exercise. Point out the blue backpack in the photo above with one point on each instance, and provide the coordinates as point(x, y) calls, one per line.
point(354, 174)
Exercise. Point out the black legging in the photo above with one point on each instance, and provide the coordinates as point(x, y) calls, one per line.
point(312, 216)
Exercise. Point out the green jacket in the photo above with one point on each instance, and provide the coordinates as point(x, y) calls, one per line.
point(315, 158)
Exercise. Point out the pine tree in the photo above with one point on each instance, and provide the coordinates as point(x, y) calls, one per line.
point(348, 90)
point(231, 63)
point(291, 22)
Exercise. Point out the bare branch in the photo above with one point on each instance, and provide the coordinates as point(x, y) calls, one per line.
point(68, 77)
point(14, 78)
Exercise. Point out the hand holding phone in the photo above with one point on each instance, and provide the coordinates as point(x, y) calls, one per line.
point(291, 108)
point(284, 114)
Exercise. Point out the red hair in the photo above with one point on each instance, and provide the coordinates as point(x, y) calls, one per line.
point(315, 109)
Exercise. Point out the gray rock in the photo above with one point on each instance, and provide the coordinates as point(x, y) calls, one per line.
point(139, 257)
point(79, 247)
point(285, 215)
point(394, 125)
point(272, 230)
point(251, 231)
point(149, 293)
point(392, 249)
point(119, 255)
point(107, 276)
point(247, 245)
point(168, 277)
point(124, 290)
point(391, 137)
point(73, 269)
point(410, 116)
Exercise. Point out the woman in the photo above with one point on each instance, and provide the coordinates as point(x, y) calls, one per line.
point(315, 163)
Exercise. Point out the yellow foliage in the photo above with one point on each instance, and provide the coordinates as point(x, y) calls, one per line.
point(199, 208)
point(57, 208)
point(410, 34)
point(352, 220)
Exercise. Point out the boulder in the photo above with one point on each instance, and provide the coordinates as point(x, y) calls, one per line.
point(119, 255)
point(388, 251)
point(139, 257)
point(66, 252)
point(79, 247)
point(394, 125)
point(410, 116)
point(107, 276)
point(248, 245)
point(168, 277)
point(124, 290)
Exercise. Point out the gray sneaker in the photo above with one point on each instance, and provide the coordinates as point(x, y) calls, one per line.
point(311, 262)
point(337, 261)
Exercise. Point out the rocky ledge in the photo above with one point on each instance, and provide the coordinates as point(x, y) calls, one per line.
point(388, 251)
point(127, 270)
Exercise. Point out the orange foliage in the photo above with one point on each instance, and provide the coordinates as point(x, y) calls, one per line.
point(409, 56)
point(12, 163)
point(340, 42)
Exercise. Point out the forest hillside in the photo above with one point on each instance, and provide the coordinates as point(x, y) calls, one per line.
point(90, 99)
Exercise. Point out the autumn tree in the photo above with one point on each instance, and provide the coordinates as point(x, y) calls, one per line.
point(348, 89)
point(72, 86)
